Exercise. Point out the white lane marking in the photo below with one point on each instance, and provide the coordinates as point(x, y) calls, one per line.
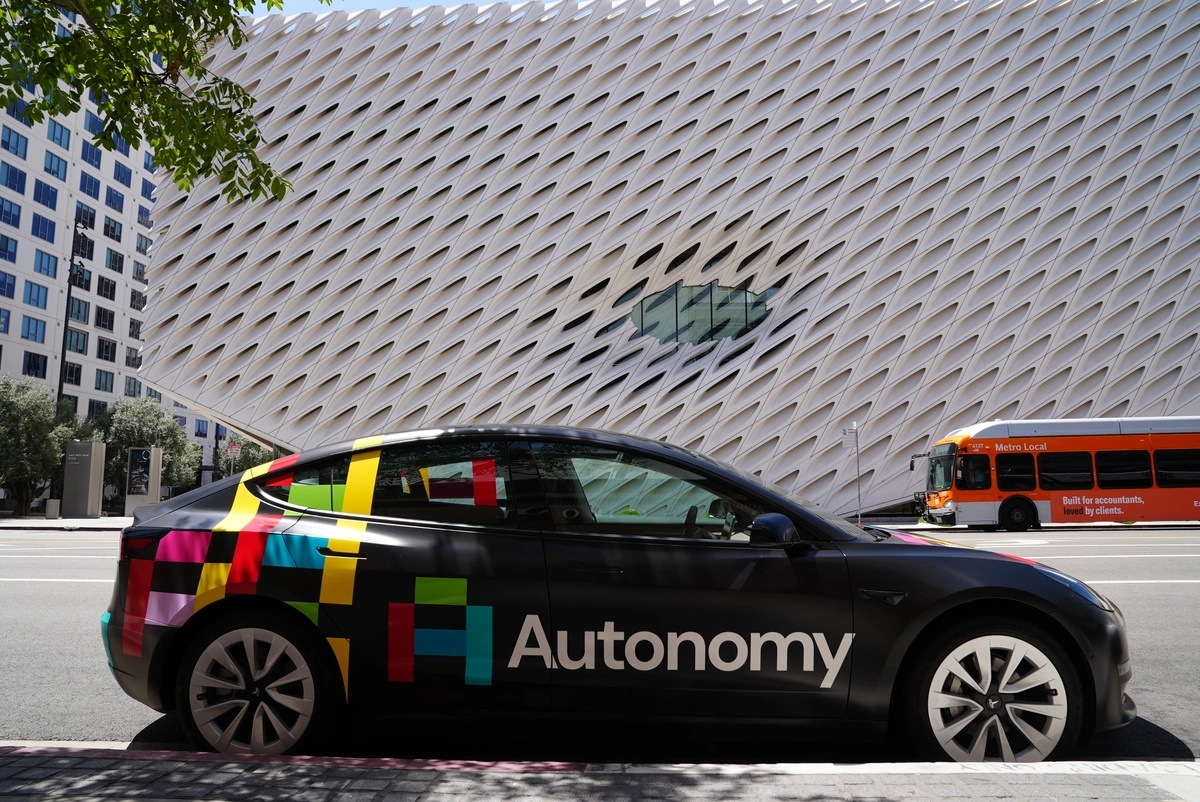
point(1010, 544)
point(1097, 543)
point(37, 579)
point(1110, 556)
point(1142, 581)
point(112, 557)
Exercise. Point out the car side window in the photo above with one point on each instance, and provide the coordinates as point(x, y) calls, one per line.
point(606, 491)
point(447, 482)
point(319, 487)
point(463, 482)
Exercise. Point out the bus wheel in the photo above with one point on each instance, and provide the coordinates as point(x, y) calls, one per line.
point(1017, 515)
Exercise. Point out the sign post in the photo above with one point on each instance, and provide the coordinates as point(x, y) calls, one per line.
point(143, 480)
point(850, 440)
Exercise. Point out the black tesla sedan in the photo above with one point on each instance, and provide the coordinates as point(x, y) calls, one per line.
point(556, 571)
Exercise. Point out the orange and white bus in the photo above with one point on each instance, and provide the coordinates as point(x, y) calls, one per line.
point(1021, 473)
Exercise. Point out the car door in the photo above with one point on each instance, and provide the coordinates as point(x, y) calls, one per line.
point(660, 602)
point(421, 567)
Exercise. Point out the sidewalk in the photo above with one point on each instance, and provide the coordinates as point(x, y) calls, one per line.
point(49, 772)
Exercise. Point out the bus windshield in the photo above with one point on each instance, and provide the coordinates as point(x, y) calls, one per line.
point(941, 468)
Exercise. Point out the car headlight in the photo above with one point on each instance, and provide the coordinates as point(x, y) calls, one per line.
point(1077, 586)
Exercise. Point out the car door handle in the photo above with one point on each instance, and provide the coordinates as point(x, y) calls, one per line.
point(325, 551)
point(604, 569)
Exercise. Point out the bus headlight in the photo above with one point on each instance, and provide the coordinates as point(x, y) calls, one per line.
point(1077, 586)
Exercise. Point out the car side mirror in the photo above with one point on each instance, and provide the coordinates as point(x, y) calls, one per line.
point(772, 527)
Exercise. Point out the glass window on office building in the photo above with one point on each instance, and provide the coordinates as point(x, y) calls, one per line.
point(106, 288)
point(4, 317)
point(106, 349)
point(58, 134)
point(33, 329)
point(201, 429)
point(143, 244)
point(154, 394)
point(144, 217)
point(79, 310)
point(34, 365)
point(81, 277)
point(90, 154)
point(14, 178)
point(45, 194)
point(73, 374)
point(135, 329)
point(137, 300)
point(8, 285)
point(45, 263)
point(77, 341)
point(84, 247)
point(139, 272)
point(148, 189)
point(105, 319)
point(113, 199)
point(133, 387)
point(181, 420)
point(8, 248)
point(92, 123)
point(123, 174)
point(10, 213)
point(85, 214)
point(120, 145)
point(96, 408)
point(115, 261)
point(89, 185)
point(55, 166)
point(43, 228)
point(14, 143)
point(36, 294)
point(104, 380)
point(112, 229)
point(16, 110)
point(133, 359)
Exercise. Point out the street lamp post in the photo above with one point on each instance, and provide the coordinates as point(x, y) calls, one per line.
point(62, 362)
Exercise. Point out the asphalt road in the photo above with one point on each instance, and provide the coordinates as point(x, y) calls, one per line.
point(57, 687)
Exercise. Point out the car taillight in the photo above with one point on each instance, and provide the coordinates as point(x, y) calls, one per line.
point(134, 543)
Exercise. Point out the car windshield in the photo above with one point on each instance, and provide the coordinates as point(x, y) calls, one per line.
point(842, 525)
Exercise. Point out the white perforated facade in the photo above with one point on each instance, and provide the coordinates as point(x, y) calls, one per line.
point(952, 211)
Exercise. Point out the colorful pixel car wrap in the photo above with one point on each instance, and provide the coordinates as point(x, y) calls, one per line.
point(248, 553)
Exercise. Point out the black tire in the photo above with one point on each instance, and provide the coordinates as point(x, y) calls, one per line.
point(1024, 712)
point(257, 683)
point(1018, 515)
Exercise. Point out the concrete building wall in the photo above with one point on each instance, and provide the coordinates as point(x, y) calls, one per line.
point(737, 226)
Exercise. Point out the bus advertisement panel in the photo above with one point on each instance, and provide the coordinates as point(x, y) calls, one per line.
point(1022, 473)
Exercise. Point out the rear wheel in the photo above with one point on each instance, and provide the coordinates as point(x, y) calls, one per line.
point(994, 691)
point(258, 685)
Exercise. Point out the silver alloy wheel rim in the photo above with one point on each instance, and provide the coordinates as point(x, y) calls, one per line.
point(252, 691)
point(997, 698)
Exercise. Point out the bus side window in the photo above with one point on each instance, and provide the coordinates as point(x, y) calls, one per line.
point(1015, 472)
point(1119, 469)
point(1177, 467)
point(974, 472)
point(1065, 470)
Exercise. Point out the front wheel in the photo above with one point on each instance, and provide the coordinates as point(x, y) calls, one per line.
point(1018, 515)
point(258, 685)
point(996, 691)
